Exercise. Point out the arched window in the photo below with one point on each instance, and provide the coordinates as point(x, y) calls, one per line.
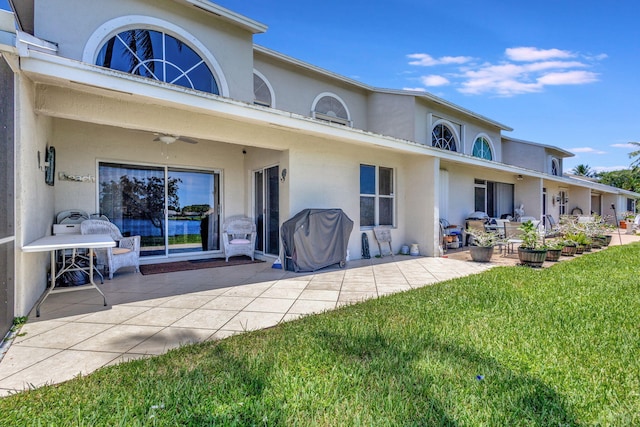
point(443, 137)
point(159, 56)
point(555, 167)
point(331, 109)
point(482, 148)
point(262, 93)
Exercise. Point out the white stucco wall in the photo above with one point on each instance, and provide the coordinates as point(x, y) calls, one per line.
point(524, 155)
point(34, 199)
point(231, 46)
point(296, 89)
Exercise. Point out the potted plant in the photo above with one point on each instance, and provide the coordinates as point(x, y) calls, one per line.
point(554, 250)
point(482, 244)
point(570, 245)
point(531, 251)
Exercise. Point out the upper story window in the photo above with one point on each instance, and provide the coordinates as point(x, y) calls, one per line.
point(443, 137)
point(555, 167)
point(330, 108)
point(262, 92)
point(482, 148)
point(159, 56)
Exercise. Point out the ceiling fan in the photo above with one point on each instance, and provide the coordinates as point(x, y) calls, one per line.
point(170, 139)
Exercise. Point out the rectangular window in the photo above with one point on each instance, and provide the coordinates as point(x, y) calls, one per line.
point(377, 197)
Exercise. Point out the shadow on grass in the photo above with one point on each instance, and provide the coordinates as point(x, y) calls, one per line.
point(445, 383)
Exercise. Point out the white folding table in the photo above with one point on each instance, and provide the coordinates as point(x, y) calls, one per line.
point(62, 242)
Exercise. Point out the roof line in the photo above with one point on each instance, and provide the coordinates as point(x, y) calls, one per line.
point(247, 23)
point(364, 86)
point(551, 147)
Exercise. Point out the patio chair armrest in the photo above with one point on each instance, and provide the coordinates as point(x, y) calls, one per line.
point(132, 242)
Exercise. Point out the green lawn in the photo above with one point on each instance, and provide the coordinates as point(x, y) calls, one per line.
point(512, 346)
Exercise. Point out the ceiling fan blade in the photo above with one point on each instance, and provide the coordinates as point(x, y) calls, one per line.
point(187, 140)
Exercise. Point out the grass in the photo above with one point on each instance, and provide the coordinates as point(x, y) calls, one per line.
point(511, 346)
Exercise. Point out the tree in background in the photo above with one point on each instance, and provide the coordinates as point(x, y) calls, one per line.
point(583, 170)
point(627, 179)
point(636, 153)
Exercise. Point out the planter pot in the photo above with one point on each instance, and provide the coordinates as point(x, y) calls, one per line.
point(587, 247)
point(553, 255)
point(579, 249)
point(597, 242)
point(532, 257)
point(608, 238)
point(623, 225)
point(629, 226)
point(569, 250)
point(481, 253)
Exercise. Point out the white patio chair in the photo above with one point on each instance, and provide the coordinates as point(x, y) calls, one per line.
point(125, 254)
point(512, 235)
point(239, 237)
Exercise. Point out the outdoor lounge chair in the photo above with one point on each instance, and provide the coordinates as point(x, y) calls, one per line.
point(551, 228)
point(239, 237)
point(383, 236)
point(125, 254)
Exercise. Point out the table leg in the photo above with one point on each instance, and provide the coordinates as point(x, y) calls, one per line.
point(104, 298)
point(52, 284)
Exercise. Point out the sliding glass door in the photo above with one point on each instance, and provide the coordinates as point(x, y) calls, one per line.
point(174, 210)
point(194, 216)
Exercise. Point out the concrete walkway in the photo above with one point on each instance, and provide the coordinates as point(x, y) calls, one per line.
point(148, 315)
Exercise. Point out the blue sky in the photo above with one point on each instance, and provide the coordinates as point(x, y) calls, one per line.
point(559, 72)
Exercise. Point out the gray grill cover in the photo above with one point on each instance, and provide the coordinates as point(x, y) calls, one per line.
point(316, 238)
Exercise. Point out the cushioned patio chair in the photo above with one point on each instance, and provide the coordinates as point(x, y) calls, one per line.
point(239, 237)
point(125, 254)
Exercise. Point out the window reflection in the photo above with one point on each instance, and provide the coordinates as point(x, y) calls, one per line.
point(157, 56)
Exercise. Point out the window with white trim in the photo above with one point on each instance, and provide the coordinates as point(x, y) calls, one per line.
point(377, 196)
point(159, 56)
point(443, 137)
point(482, 148)
point(261, 92)
point(555, 167)
point(331, 109)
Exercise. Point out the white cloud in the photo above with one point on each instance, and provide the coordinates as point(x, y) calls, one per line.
point(529, 54)
point(426, 60)
point(587, 150)
point(434, 80)
point(626, 145)
point(525, 70)
point(568, 78)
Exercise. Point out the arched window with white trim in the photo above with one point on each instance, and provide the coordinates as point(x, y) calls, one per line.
point(555, 167)
point(330, 108)
point(443, 137)
point(157, 55)
point(262, 90)
point(482, 148)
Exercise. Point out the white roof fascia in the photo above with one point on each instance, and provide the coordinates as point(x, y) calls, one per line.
point(27, 43)
point(565, 153)
point(360, 85)
point(254, 27)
